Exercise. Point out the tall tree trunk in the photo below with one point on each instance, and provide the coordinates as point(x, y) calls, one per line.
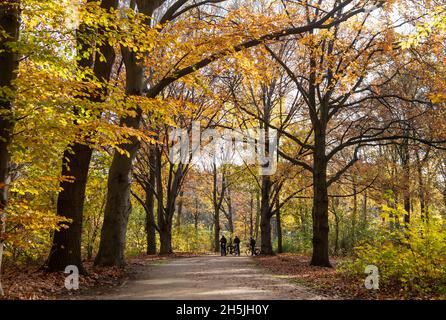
point(364, 209)
point(320, 255)
point(166, 213)
point(92, 234)
point(336, 249)
point(265, 236)
point(265, 209)
point(196, 217)
point(117, 209)
point(427, 194)
point(265, 217)
point(180, 210)
point(167, 222)
point(230, 214)
point(166, 229)
point(278, 226)
point(245, 226)
point(406, 179)
point(9, 62)
point(166, 239)
point(216, 230)
point(251, 216)
point(421, 191)
point(118, 206)
point(258, 214)
point(66, 247)
point(335, 213)
point(150, 216)
point(444, 201)
point(302, 209)
point(355, 211)
point(217, 200)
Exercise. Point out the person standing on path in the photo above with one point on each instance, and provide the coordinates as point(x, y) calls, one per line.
point(237, 246)
point(223, 245)
point(252, 244)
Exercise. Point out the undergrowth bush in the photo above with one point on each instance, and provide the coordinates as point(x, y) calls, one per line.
point(411, 257)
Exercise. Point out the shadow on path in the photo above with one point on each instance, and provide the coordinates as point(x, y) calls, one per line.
point(206, 278)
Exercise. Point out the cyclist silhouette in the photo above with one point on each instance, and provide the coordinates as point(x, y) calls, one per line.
point(252, 244)
point(237, 246)
point(223, 245)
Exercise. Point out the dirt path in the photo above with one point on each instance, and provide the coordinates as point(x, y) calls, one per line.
point(206, 277)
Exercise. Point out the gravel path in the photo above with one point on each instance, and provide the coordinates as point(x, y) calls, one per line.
point(206, 277)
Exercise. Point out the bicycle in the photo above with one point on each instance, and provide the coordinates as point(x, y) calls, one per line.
point(256, 252)
point(231, 250)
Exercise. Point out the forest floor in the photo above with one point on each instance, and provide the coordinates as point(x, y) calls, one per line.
point(331, 281)
point(199, 277)
point(203, 278)
point(28, 281)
